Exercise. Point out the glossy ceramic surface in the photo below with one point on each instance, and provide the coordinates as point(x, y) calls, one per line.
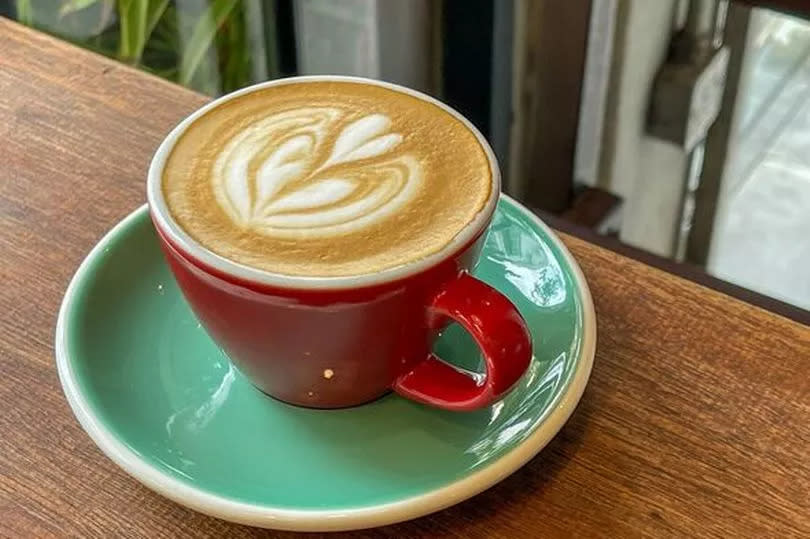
point(375, 330)
point(162, 401)
point(369, 340)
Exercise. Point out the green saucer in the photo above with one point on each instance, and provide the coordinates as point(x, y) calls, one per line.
point(163, 402)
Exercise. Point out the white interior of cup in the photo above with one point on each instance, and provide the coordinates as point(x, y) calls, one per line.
point(188, 245)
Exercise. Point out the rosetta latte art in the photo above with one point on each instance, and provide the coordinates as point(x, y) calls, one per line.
point(280, 178)
point(326, 178)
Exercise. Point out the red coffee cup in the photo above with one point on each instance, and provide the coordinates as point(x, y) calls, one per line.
point(341, 341)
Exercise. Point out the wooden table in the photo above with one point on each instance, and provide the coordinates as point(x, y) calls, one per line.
point(696, 421)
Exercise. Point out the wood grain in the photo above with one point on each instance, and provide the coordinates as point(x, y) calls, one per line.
point(696, 421)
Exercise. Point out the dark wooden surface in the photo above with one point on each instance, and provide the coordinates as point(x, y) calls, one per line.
point(696, 421)
point(553, 48)
point(684, 270)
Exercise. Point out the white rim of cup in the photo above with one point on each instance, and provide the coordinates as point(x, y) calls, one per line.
point(322, 520)
point(180, 238)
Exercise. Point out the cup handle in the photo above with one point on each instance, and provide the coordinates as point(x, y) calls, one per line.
point(500, 332)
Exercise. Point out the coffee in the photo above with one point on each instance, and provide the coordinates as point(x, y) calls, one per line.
point(326, 178)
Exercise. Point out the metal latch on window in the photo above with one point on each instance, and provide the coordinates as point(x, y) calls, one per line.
point(687, 98)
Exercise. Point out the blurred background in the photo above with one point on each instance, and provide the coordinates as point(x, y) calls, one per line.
point(679, 129)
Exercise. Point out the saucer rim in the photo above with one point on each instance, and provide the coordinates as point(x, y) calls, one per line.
point(267, 516)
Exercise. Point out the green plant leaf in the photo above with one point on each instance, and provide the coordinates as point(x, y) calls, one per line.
point(156, 10)
point(234, 53)
point(270, 28)
point(202, 36)
point(166, 29)
point(132, 15)
point(24, 12)
point(75, 5)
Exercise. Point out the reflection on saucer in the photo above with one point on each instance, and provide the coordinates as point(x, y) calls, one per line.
point(526, 261)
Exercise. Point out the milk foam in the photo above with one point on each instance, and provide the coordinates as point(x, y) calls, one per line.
point(299, 188)
point(326, 178)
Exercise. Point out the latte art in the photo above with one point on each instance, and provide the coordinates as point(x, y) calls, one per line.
point(293, 193)
point(325, 178)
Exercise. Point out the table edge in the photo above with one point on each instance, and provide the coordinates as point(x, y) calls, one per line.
point(685, 270)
